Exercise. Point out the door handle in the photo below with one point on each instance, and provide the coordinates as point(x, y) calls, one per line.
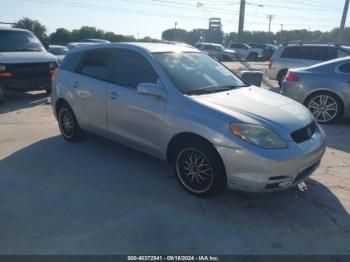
point(113, 95)
point(347, 81)
point(76, 85)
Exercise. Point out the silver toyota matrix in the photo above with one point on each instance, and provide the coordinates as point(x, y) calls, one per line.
point(178, 104)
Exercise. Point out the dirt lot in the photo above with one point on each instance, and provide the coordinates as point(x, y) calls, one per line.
point(99, 197)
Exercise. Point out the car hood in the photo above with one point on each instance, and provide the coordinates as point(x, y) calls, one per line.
point(258, 106)
point(26, 57)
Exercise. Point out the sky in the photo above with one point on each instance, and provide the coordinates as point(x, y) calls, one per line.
point(151, 17)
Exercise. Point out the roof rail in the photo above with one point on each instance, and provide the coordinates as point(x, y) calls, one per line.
point(308, 43)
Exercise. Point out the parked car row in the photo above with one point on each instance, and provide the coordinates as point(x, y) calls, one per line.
point(177, 103)
point(252, 51)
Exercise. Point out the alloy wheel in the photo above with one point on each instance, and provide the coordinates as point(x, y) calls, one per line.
point(66, 123)
point(323, 107)
point(194, 170)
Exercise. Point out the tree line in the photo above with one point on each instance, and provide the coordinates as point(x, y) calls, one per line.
point(205, 35)
point(63, 36)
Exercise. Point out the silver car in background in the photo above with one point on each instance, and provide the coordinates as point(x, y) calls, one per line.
point(323, 88)
point(301, 55)
point(217, 51)
point(59, 51)
point(180, 105)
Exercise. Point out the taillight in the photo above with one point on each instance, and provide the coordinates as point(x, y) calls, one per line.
point(270, 63)
point(54, 73)
point(290, 76)
point(5, 74)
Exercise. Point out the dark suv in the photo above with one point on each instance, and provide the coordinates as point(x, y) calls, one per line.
point(24, 63)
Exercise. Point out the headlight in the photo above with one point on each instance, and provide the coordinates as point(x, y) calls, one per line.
point(258, 135)
point(2, 68)
point(52, 65)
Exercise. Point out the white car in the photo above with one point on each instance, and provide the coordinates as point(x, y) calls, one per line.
point(246, 51)
point(217, 51)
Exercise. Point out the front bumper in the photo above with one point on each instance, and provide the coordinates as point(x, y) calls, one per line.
point(258, 170)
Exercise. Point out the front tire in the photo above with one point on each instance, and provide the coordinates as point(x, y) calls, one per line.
point(325, 107)
point(198, 168)
point(253, 56)
point(68, 124)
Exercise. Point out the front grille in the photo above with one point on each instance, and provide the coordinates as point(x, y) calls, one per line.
point(304, 133)
point(29, 70)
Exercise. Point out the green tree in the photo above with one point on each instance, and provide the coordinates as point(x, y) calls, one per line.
point(33, 25)
point(62, 36)
point(86, 32)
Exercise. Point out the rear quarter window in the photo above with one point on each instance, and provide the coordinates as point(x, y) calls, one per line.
point(71, 61)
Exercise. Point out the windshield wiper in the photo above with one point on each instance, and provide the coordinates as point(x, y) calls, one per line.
point(211, 90)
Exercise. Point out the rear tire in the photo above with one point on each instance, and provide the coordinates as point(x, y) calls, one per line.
point(280, 76)
point(68, 124)
point(253, 56)
point(325, 106)
point(198, 167)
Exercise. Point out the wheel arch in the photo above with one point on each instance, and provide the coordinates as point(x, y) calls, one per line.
point(183, 136)
point(59, 103)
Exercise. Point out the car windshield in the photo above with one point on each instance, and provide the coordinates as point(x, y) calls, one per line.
point(59, 50)
point(19, 41)
point(197, 73)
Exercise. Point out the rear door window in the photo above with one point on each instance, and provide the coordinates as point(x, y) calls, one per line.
point(291, 52)
point(96, 63)
point(131, 68)
point(306, 52)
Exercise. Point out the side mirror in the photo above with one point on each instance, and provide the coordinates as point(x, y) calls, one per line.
point(151, 89)
point(252, 77)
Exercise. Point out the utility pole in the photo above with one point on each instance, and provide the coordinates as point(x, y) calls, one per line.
point(270, 18)
point(281, 27)
point(175, 25)
point(241, 20)
point(343, 20)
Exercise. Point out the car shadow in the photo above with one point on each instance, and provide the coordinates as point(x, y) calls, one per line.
point(21, 100)
point(338, 135)
point(100, 197)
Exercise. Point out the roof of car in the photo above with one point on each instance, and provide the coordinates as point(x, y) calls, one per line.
point(310, 44)
point(12, 29)
point(149, 47)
